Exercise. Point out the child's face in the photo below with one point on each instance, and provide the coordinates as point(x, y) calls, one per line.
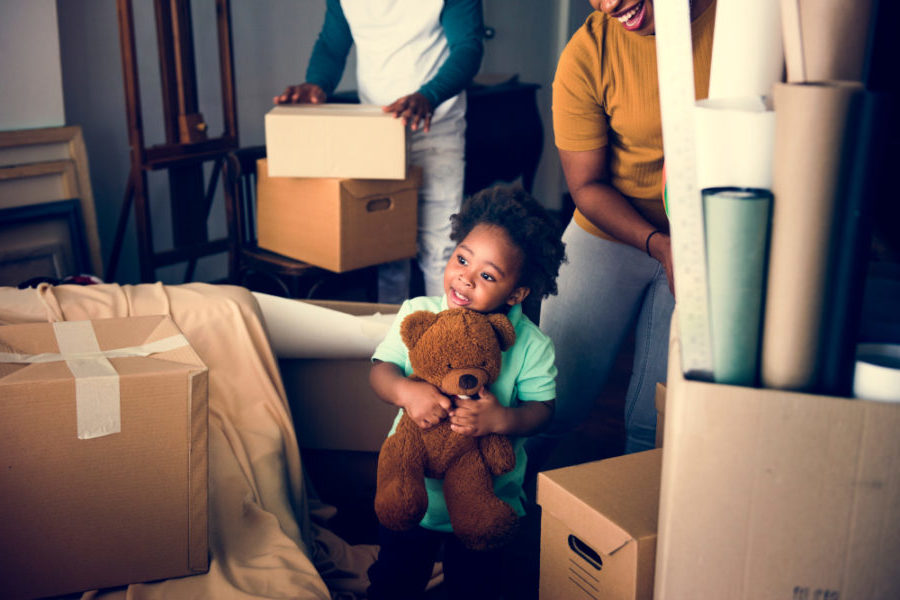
point(483, 272)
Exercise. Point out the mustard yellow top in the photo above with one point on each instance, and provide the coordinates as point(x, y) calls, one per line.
point(606, 93)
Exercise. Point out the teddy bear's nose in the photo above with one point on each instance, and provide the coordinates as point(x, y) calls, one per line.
point(467, 382)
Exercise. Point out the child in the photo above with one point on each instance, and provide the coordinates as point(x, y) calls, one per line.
point(508, 248)
point(415, 59)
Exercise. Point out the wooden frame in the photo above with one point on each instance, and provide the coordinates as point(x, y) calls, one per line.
point(30, 154)
point(42, 240)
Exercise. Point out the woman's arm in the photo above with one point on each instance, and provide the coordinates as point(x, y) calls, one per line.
point(587, 176)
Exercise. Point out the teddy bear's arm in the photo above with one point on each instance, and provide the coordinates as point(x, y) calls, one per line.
point(497, 452)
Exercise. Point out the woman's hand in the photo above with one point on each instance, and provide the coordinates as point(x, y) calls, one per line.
point(305, 93)
point(661, 250)
point(412, 109)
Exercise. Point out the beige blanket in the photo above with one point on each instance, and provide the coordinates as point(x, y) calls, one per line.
point(265, 531)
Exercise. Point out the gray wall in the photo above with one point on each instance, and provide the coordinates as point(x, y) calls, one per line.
point(272, 43)
point(31, 92)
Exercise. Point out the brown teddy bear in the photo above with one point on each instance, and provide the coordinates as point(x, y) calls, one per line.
point(457, 351)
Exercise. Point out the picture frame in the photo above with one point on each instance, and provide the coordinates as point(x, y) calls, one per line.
point(42, 240)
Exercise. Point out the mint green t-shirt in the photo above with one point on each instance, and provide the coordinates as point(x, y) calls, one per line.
point(528, 373)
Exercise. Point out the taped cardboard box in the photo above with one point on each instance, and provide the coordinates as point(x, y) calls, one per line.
point(775, 494)
point(598, 528)
point(348, 141)
point(338, 224)
point(103, 455)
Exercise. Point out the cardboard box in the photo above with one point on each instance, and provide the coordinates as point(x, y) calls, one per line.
point(660, 401)
point(348, 141)
point(598, 528)
point(774, 494)
point(338, 224)
point(332, 404)
point(84, 506)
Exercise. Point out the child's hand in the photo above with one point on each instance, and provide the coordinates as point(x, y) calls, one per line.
point(305, 93)
point(478, 417)
point(411, 109)
point(423, 402)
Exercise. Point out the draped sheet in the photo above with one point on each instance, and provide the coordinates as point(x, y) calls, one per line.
point(267, 537)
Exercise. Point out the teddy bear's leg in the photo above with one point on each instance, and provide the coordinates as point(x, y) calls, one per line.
point(400, 497)
point(480, 519)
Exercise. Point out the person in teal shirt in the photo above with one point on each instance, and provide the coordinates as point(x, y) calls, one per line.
point(414, 58)
point(507, 248)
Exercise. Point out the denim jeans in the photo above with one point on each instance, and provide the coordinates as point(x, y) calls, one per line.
point(606, 290)
point(441, 154)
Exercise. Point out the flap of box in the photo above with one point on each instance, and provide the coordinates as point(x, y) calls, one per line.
point(86, 348)
point(609, 502)
point(333, 109)
point(366, 188)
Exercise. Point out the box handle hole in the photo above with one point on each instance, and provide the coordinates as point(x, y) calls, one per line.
point(585, 552)
point(377, 204)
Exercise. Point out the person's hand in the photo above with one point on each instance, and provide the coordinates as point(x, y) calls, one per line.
point(412, 109)
point(661, 250)
point(477, 417)
point(423, 402)
point(305, 93)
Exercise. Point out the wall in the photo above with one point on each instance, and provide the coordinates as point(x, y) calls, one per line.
point(29, 56)
point(272, 43)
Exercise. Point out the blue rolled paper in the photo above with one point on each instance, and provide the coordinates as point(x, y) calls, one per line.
point(737, 232)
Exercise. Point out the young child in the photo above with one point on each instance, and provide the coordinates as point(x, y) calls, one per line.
point(507, 248)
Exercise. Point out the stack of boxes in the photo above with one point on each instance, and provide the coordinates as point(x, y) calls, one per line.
point(336, 190)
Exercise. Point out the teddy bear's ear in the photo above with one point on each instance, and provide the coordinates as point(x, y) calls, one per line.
point(415, 325)
point(504, 330)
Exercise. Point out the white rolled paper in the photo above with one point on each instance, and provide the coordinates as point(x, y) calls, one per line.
point(747, 52)
point(877, 373)
point(735, 141)
point(302, 330)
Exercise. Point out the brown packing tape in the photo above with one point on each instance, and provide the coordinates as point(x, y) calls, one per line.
point(813, 123)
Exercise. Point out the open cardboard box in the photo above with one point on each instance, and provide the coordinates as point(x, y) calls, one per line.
point(775, 494)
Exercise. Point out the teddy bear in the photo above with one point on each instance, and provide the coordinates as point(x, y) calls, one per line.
point(458, 351)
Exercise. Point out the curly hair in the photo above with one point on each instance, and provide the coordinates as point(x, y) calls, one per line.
point(529, 225)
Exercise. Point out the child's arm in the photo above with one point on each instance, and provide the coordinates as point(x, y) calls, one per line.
point(486, 415)
point(425, 405)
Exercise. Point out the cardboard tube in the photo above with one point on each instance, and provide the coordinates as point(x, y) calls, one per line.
point(813, 124)
point(747, 54)
point(735, 139)
point(737, 228)
point(824, 40)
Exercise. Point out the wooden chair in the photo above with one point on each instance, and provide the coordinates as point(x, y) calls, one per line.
point(249, 265)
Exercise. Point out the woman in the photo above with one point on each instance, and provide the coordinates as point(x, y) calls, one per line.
point(606, 120)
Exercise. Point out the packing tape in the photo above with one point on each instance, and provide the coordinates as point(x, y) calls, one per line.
point(97, 399)
point(685, 205)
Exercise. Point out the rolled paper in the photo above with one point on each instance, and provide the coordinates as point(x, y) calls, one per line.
point(877, 373)
point(852, 238)
point(812, 144)
point(737, 230)
point(735, 141)
point(747, 53)
point(825, 40)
